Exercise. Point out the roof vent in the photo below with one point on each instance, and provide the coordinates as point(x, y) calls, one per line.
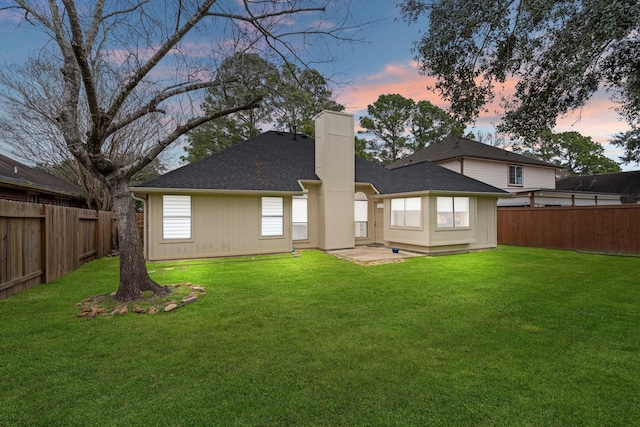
point(15, 170)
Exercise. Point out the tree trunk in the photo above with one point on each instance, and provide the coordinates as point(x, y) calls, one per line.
point(134, 278)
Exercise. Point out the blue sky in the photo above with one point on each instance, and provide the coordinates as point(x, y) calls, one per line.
point(381, 64)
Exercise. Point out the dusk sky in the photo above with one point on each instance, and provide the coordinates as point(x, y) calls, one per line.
point(381, 64)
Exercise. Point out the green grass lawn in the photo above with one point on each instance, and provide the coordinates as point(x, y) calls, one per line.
point(516, 336)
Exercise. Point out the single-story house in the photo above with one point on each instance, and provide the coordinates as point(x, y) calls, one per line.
point(280, 191)
point(21, 183)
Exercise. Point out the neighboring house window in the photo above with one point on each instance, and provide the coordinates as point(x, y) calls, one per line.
point(59, 202)
point(453, 212)
point(176, 217)
point(515, 175)
point(300, 226)
point(406, 212)
point(272, 216)
point(361, 214)
point(32, 198)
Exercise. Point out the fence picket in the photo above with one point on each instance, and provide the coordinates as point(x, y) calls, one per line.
point(611, 229)
point(41, 244)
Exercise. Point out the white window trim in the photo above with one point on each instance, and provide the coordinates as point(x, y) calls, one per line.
point(404, 213)
point(296, 217)
point(515, 175)
point(176, 212)
point(453, 213)
point(361, 216)
point(272, 215)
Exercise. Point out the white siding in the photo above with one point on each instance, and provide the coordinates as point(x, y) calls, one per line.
point(497, 173)
point(539, 177)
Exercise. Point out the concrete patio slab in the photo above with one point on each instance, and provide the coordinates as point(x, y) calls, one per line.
point(370, 254)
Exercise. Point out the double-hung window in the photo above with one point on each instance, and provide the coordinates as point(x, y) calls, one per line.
point(406, 212)
point(176, 217)
point(272, 217)
point(515, 175)
point(453, 212)
point(361, 214)
point(300, 225)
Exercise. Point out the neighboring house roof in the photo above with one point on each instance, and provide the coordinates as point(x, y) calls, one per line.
point(277, 161)
point(625, 183)
point(453, 147)
point(17, 175)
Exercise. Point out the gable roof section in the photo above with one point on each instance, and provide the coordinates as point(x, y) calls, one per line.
point(276, 161)
point(18, 175)
point(427, 176)
point(454, 148)
point(272, 161)
point(626, 183)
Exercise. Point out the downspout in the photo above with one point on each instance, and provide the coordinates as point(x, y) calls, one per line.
point(145, 230)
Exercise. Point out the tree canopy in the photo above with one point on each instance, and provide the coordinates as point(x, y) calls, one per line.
point(558, 52)
point(575, 153)
point(401, 126)
point(291, 97)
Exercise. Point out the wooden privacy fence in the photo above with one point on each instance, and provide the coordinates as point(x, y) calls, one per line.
point(39, 244)
point(611, 229)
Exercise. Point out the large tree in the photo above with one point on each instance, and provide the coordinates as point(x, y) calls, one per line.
point(292, 97)
point(559, 53)
point(129, 61)
point(401, 126)
point(29, 125)
point(430, 123)
point(245, 76)
point(388, 121)
point(298, 95)
point(573, 152)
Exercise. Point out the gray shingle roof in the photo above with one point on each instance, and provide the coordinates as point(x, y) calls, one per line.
point(272, 161)
point(276, 161)
point(22, 176)
point(454, 147)
point(626, 183)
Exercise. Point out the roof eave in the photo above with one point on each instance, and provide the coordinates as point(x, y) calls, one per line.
point(153, 190)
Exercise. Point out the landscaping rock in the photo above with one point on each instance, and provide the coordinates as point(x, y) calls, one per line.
point(138, 309)
point(189, 299)
point(124, 310)
point(171, 307)
point(153, 310)
point(83, 313)
point(92, 315)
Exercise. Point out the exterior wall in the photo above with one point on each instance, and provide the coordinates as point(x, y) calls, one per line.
point(453, 165)
point(497, 173)
point(335, 166)
point(481, 233)
point(220, 226)
point(539, 177)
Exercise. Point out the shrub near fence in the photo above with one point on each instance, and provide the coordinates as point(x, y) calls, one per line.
point(610, 229)
point(39, 244)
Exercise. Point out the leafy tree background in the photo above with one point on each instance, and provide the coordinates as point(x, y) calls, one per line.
point(401, 126)
point(560, 53)
point(291, 97)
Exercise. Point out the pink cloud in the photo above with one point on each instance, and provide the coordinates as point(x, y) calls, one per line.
point(597, 119)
